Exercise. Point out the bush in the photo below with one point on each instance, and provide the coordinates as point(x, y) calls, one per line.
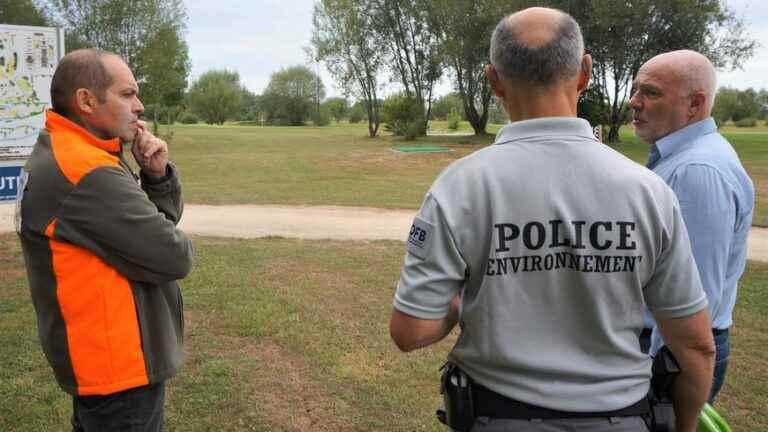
point(453, 120)
point(746, 122)
point(443, 106)
point(403, 116)
point(188, 118)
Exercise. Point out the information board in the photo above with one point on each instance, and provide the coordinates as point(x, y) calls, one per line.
point(28, 58)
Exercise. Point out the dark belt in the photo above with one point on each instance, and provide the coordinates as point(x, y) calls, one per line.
point(493, 405)
point(718, 332)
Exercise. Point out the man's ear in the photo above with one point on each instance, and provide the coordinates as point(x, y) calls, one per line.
point(495, 81)
point(585, 74)
point(698, 103)
point(84, 101)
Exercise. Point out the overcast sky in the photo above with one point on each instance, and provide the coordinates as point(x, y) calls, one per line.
point(258, 37)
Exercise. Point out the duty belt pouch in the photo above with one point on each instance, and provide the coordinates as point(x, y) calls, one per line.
point(456, 388)
point(665, 369)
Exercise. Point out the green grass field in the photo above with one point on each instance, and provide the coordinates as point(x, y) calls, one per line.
point(340, 165)
point(337, 165)
point(290, 335)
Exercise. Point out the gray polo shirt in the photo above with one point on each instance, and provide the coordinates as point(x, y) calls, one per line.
point(557, 244)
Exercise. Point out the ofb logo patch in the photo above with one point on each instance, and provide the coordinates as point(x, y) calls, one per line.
point(420, 238)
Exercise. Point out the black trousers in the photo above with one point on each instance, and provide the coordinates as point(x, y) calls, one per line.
point(138, 409)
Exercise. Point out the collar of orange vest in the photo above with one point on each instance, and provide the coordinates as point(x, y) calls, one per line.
point(57, 123)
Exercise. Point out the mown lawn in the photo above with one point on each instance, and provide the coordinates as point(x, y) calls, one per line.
point(340, 165)
point(335, 165)
point(291, 335)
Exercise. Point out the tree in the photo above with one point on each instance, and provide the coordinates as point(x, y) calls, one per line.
point(164, 76)
point(216, 96)
point(345, 38)
point(292, 95)
point(402, 114)
point(726, 103)
point(120, 26)
point(23, 12)
point(762, 99)
point(412, 46)
point(147, 34)
point(735, 105)
point(463, 28)
point(253, 108)
point(749, 106)
point(621, 39)
point(337, 107)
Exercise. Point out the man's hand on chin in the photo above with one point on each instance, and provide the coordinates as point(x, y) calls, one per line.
point(150, 152)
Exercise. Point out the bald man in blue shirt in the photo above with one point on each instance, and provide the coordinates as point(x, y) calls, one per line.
point(672, 99)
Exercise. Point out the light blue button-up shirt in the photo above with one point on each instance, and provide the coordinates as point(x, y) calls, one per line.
point(716, 198)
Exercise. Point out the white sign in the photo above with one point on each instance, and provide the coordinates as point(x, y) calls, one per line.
point(28, 58)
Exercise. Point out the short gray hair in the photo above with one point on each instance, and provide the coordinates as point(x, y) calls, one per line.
point(543, 65)
point(83, 68)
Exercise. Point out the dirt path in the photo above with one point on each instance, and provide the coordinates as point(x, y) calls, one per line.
point(319, 222)
point(306, 222)
point(315, 222)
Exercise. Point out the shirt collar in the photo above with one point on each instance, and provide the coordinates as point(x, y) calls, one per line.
point(55, 122)
point(681, 138)
point(545, 126)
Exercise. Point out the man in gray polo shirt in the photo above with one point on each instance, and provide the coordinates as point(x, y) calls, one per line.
point(546, 247)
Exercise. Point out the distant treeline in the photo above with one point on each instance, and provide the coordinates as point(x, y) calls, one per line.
point(408, 44)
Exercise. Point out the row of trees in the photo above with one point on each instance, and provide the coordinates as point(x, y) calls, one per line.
point(148, 34)
point(740, 106)
point(411, 43)
point(293, 96)
point(414, 42)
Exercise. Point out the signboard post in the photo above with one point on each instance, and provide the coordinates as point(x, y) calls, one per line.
point(28, 58)
point(598, 132)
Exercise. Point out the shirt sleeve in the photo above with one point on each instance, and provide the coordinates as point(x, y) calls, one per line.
point(674, 290)
point(165, 193)
point(433, 271)
point(708, 207)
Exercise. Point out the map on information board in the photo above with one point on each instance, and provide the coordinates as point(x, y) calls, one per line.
point(28, 58)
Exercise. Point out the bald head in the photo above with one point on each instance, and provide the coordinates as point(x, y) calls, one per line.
point(539, 46)
point(671, 91)
point(692, 72)
point(536, 26)
point(82, 68)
